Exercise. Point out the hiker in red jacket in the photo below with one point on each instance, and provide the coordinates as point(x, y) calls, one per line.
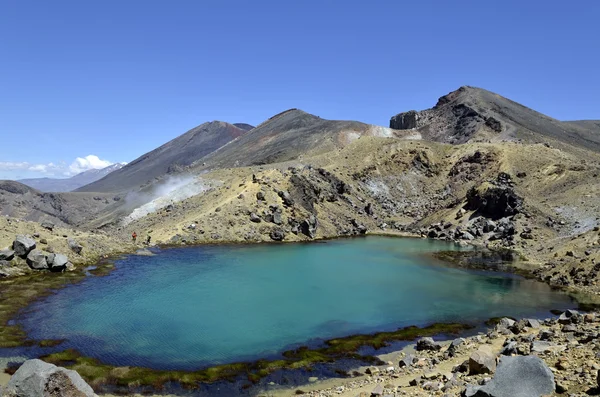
point(134, 236)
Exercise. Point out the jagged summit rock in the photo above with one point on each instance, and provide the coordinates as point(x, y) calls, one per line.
point(474, 114)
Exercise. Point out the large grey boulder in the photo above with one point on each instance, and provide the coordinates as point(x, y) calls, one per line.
point(35, 378)
point(75, 246)
point(23, 245)
point(36, 259)
point(519, 376)
point(482, 362)
point(57, 262)
point(7, 255)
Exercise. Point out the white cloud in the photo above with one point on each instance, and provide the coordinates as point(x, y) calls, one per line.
point(61, 169)
point(10, 165)
point(88, 162)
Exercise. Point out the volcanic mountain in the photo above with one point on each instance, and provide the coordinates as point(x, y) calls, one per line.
point(474, 114)
point(171, 157)
point(288, 136)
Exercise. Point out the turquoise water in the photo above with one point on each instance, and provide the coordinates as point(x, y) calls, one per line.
point(189, 307)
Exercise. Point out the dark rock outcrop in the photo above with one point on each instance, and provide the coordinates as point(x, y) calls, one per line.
point(309, 226)
point(405, 121)
point(494, 201)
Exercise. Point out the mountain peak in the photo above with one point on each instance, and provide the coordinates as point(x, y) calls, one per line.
point(472, 113)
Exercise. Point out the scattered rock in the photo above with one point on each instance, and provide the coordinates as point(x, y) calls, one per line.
point(482, 362)
point(57, 262)
point(428, 344)
point(260, 196)
point(75, 246)
point(7, 255)
point(36, 378)
point(254, 217)
point(277, 234)
point(286, 198)
point(48, 225)
point(378, 390)
point(23, 245)
point(36, 259)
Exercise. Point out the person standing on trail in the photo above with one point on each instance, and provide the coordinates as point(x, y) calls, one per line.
point(148, 240)
point(134, 236)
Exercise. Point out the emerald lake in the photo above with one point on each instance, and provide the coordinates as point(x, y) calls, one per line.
point(186, 308)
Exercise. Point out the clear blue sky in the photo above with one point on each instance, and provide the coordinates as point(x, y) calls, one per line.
point(116, 79)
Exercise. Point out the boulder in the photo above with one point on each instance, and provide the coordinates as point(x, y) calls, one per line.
point(378, 390)
point(506, 322)
point(309, 226)
point(75, 246)
point(35, 378)
point(520, 376)
point(428, 344)
point(482, 362)
point(36, 259)
point(406, 361)
point(286, 198)
point(7, 255)
point(532, 323)
point(255, 218)
point(260, 196)
point(277, 234)
point(455, 346)
point(23, 245)
point(277, 218)
point(58, 262)
point(509, 348)
point(568, 317)
point(48, 225)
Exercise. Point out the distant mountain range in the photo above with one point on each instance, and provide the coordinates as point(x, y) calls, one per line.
point(467, 115)
point(72, 183)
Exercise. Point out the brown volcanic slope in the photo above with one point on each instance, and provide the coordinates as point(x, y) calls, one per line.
point(289, 135)
point(474, 114)
point(171, 157)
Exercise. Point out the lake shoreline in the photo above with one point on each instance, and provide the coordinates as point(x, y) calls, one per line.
point(106, 266)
